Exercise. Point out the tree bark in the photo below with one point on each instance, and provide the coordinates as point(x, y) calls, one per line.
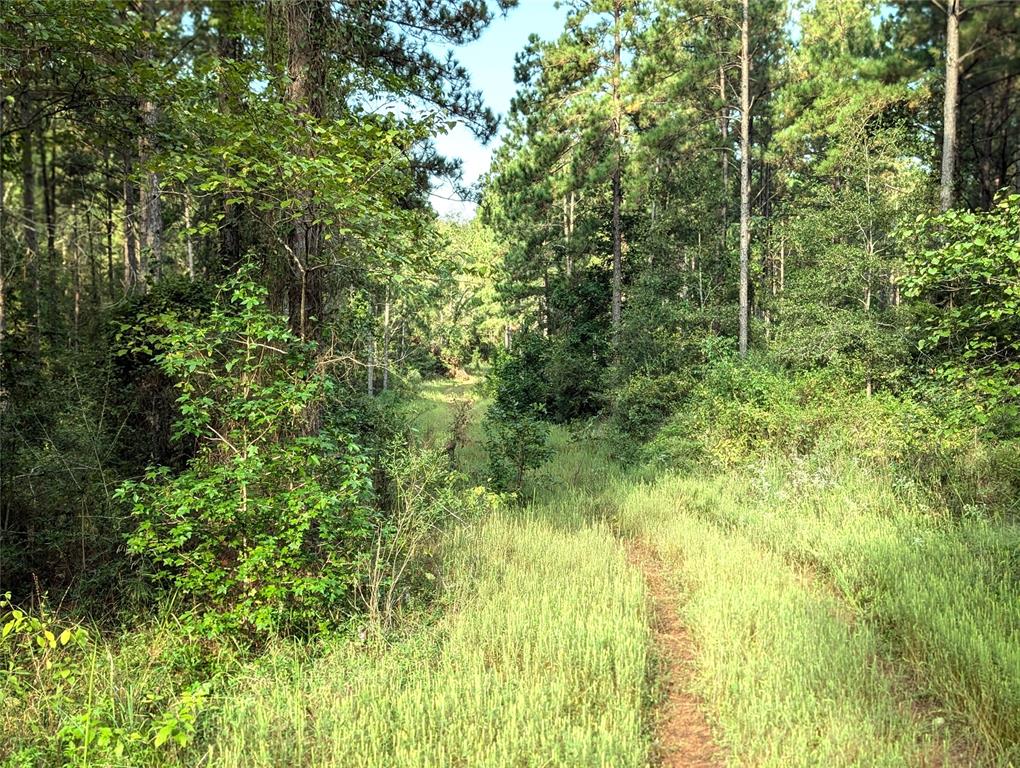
point(949, 108)
point(93, 267)
point(131, 275)
point(3, 246)
point(75, 273)
point(28, 217)
point(386, 342)
point(49, 295)
point(306, 20)
point(152, 206)
point(228, 50)
point(617, 173)
point(189, 245)
point(109, 232)
point(724, 130)
point(745, 172)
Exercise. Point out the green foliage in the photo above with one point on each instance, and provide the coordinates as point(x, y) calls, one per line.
point(62, 705)
point(516, 441)
point(643, 403)
point(264, 529)
point(741, 413)
point(548, 630)
point(461, 314)
point(422, 495)
point(965, 266)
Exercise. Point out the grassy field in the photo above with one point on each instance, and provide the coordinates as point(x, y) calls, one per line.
point(539, 656)
point(835, 620)
point(539, 660)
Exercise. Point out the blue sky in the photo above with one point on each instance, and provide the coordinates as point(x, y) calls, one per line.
point(490, 60)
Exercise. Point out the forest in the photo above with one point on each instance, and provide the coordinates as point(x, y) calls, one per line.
point(695, 441)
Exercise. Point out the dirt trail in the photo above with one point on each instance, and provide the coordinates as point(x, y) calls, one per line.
point(683, 738)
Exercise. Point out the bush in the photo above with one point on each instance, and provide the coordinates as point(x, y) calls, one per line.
point(421, 495)
point(516, 441)
point(965, 265)
point(643, 403)
point(266, 528)
point(749, 412)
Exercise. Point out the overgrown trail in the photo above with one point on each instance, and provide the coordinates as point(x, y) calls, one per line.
point(683, 738)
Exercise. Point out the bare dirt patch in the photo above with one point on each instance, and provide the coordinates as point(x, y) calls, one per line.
point(683, 738)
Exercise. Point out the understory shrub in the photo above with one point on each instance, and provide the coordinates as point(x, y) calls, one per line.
point(643, 403)
point(266, 528)
point(742, 413)
point(421, 494)
point(516, 441)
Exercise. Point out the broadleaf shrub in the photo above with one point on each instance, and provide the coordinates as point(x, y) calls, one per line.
point(266, 528)
point(965, 265)
point(516, 441)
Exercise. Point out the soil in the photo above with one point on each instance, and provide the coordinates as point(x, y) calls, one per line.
point(683, 738)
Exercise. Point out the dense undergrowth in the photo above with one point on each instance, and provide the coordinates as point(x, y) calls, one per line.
point(532, 650)
point(850, 569)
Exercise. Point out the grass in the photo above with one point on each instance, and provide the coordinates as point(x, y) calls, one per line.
point(789, 677)
point(540, 661)
point(839, 620)
point(941, 595)
point(540, 656)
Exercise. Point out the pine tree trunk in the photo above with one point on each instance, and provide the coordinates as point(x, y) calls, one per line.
point(745, 172)
point(189, 245)
point(131, 274)
point(228, 50)
point(371, 362)
point(109, 232)
point(306, 22)
point(75, 273)
point(49, 295)
point(724, 130)
point(28, 218)
point(3, 249)
point(386, 342)
point(949, 107)
point(93, 266)
point(151, 204)
point(617, 172)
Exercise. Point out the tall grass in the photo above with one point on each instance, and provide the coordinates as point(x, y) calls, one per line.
point(540, 661)
point(791, 679)
point(941, 593)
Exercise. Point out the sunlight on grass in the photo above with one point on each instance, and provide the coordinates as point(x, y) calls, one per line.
point(541, 661)
point(942, 594)
point(791, 680)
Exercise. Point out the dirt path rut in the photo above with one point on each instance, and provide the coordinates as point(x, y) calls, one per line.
point(683, 738)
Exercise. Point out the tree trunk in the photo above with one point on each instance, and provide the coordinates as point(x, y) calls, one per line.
point(109, 232)
point(386, 342)
point(189, 245)
point(152, 206)
point(949, 107)
point(75, 273)
point(3, 248)
point(28, 217)
point(370, 367)
point(49, 295)
point(568, 233)
point(130, 253)
point(306, 21)
point(724, 130)
point(93, 267)
point(745, 171)
point(617, 172)
point(228, 50)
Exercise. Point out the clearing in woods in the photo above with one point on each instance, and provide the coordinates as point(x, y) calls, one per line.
point(631, 620)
